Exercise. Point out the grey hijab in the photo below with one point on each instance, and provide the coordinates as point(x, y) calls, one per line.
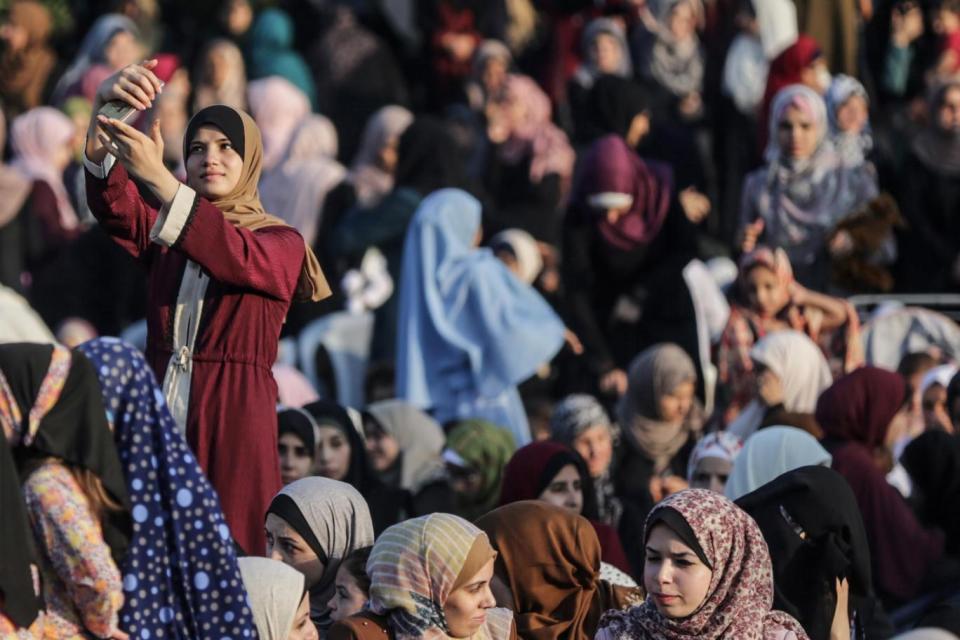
point(421, 441)
point(274, 591)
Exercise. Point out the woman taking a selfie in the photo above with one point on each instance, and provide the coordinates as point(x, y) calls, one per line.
point(222, 275)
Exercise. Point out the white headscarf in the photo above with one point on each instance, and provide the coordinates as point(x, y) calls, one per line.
point(275, 591)
point(803, 371)
point(941, 375)
point(770, 453)
point(525, 250)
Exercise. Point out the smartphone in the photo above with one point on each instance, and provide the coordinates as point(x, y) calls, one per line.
point(118, 110)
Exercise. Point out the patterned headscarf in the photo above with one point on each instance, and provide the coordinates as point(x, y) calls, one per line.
point(575, 414)
point(413, 569)
point(486, 448)
point(740, 598)
point(719, 444)
point(180, 574)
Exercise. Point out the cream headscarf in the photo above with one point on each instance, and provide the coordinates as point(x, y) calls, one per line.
point(420, 438)
point(242, 206)
point(274, 591)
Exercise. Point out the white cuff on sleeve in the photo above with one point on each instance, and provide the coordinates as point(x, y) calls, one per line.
point(173, 217)
point(99, 170)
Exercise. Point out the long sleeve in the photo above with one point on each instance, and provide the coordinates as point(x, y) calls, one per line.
point(72, 541)
point(120, 208)
point(580, 280)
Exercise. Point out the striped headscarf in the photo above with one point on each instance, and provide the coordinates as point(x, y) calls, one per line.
point(415, 566)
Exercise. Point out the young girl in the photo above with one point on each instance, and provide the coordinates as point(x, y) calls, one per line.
point(353, 586)
point(707, 574)
point(222, 275)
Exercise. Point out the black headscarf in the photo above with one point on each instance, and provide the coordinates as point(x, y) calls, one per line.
point(427, 157)
point(331, 414)
point(299, 423)
point(812, 525)
point(74, 430)
point(614, 103)
point(933, 462)
point(20, 603)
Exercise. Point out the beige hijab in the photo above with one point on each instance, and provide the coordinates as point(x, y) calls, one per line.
point(656, 372)
point(242, 206)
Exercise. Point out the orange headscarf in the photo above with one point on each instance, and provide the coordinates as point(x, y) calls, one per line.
point(242, 206)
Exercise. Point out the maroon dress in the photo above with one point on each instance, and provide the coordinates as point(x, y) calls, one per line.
point(231, 419)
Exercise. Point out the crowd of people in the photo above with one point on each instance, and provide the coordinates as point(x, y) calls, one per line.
point(480, 319)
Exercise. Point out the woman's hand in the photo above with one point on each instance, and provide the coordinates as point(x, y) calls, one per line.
point(751, 234)
point(840, 629)
point(135, 85)
point(614, 382)
point(695, 205)
point(140, 154)
point(571, 339)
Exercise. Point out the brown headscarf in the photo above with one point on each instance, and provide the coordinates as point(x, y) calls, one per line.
point(656, 372)
point(550, 559)
point(242, 206)
point(24, 74)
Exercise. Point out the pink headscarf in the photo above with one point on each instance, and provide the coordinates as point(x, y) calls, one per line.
point(278, 107)
point(535, 134)
point(36, 137)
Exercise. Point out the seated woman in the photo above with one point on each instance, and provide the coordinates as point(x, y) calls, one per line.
point(604, 51)
point(805, 189)
point(790, 373)
point(770, 453)
point(404, 449)
point(73, 486)
point(556, 474)
point(712, 460)
point(863, 415)
point(477, 453)
point(352, 586)
point(184, 531)
point(278, 600)
point(580, 422)
point(469, 330)
point(548, 571)
point(707, 575)
point(768, 299)
point(430, 578)
point(312, 525)
point(661, 420)
point(232, 269)
point(821, 559)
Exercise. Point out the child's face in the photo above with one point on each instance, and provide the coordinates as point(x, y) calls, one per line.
point(683, 22)
point(764, 291)
point(852, 115)
point(945, 22)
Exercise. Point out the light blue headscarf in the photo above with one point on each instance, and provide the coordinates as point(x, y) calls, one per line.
point(272, 52)
point(180, 573)
point(771, 452)
point(852, 147)
point(465, 320)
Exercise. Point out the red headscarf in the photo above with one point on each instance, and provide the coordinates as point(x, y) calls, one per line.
point(611, 166)
point(532, 468)
point(785, 70)
point(859, 407)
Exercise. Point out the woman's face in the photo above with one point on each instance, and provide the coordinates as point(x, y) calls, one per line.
point(565, 491)
point(711, 474)
point(852, 115)
point(122, 50)
point(333, 453)
point(494, 74)
point(675, 406)
point(213, 165)
point(682, 22)
point(935, 413)
point(605, 51)
point(288, 546)
point(796, 134)
point(295, 460)
point(303, 627)
point(948, 113)
point(764, 291)
point(673, 575)
point(382, 448)
point(595, 445)
point(466, 608)
point(387, 156)
point(348, 598)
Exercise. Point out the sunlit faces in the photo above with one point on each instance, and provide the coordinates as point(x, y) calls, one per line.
point(595, 445)
point(213, 165)
point(675, 406)
point(606, 53)
point(852, 115)
point(288, 546)
point(382, 448)
point(348, 598)
point(674, 577)
point(565, 490)
point(333, 453)
point(711, 473)
point(948, 112)
point(466, 608)
point(303, 627)
point(764, 291)
point(796, 134)
point(295, 459)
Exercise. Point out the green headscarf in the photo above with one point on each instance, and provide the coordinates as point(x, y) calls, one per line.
point(485, 448)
